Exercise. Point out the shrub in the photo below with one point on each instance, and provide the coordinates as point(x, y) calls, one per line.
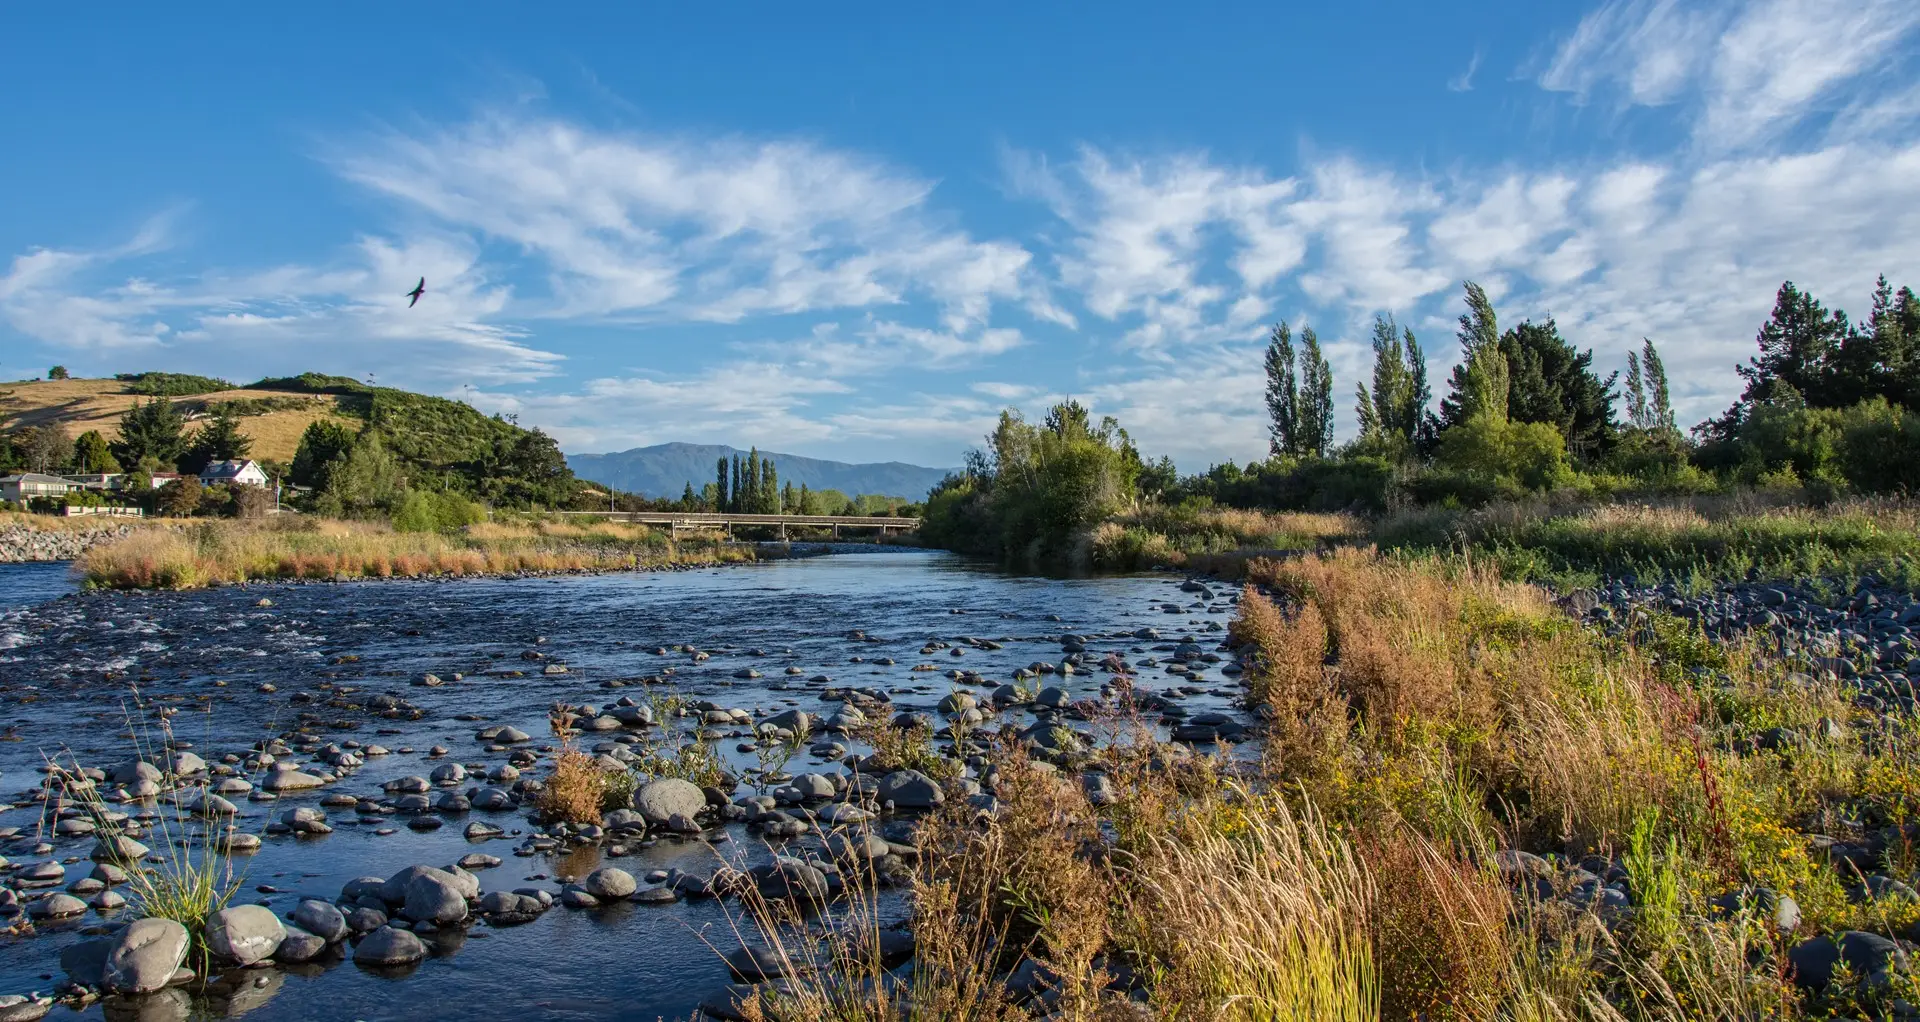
point(422, 511)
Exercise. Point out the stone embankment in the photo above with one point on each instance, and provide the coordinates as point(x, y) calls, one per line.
point(24, 543)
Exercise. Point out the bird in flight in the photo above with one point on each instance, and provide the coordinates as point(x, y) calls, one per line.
point(418, 290)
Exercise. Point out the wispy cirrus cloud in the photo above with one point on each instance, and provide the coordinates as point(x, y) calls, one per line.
point(1746, 71)
point(716, 229)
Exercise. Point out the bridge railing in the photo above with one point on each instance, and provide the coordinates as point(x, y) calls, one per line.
point(699, 519)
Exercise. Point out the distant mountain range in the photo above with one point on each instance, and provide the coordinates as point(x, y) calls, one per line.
point(664, 470)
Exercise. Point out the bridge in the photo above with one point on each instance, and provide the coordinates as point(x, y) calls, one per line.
point(677, 522)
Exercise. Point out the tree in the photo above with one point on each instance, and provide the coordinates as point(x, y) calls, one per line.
point(688, 501)
point(90, 454)
point(151, 434)
point(368, 482)
point(251, 501)
point(324, 443)
point(739, 492)
point(1649, 401)
point(1283, 391)
point(769, 488)
point(1552, 382)
point(1800, 346)
point(1393, 417)
point(57, 373)
point(44, 448)
point(1480, 381)
point(721, 486)
point(1299, 395)
point(181, 498)
point(218, 439)
point(790, 499)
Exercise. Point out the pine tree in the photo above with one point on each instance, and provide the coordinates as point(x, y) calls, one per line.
point(152, 436)
point(218, 440)
point(722, 486)
point(1283, 391)
point(687, 500)
point(90, 454)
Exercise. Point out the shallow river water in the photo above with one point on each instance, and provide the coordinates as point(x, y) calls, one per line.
point(69, 664)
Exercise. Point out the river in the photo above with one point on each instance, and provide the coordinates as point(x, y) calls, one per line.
point(237, 672)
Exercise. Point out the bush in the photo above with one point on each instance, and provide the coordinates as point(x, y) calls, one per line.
point(436, 512)
point(171, 384)
point(180, 498)
point(1534, 454)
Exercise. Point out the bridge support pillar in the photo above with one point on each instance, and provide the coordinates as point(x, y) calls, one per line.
point(836, 530)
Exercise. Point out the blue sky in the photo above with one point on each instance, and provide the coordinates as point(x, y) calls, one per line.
point(859, 230)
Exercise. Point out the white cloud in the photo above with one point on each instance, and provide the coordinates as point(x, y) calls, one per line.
point(701, 229)
point(1748, 72)
point(349, 318)
point(1463, 82)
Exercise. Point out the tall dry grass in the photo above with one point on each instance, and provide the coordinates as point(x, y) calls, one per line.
point(223, 552)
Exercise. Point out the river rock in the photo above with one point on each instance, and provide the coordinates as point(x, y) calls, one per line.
point(145, 956)
point(388, 946)
point(118, 848)
point(660, 799)
point(910, 789)
point(1867, 954)
point(24, 1007)
point(291, 780)
point(300, 946)
point(434, 897)
point(322, 919)
point(610, 883)
point(57, 906)
point(244, 934)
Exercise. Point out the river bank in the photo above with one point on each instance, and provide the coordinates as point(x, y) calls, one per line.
point(197, 555)
point(26, 538)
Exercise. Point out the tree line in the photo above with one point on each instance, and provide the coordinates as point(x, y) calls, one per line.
point(1829, 406)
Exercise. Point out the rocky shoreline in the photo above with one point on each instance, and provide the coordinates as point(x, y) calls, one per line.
point(370, 761)
point(22, 543)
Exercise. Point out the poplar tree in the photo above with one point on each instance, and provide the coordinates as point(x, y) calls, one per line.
point(1299, 395)
point(769, 488)
point(721, 486)
point(1480, 382)
point(1283, 390)
point(1392, 417)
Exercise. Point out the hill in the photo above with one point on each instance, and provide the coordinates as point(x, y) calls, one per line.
point(664, 470)
point(272, 419)
point(427, 443)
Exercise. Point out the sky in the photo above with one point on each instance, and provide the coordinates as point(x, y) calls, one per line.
point(859, 231)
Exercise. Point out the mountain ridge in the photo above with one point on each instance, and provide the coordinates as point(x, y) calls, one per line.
point(665, 470)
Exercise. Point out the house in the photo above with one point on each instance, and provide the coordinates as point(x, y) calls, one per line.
point(159, 479)
point(233, 473)
point(102, 481)
point(28, 485)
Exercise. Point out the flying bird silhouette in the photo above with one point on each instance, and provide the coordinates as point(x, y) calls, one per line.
point(418, 290)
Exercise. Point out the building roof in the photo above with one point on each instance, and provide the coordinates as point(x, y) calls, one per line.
point(34, 477)
point(227, 469)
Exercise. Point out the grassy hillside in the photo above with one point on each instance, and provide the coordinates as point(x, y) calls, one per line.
point(272, 419)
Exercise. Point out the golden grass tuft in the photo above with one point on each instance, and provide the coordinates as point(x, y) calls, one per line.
point(199, 554)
